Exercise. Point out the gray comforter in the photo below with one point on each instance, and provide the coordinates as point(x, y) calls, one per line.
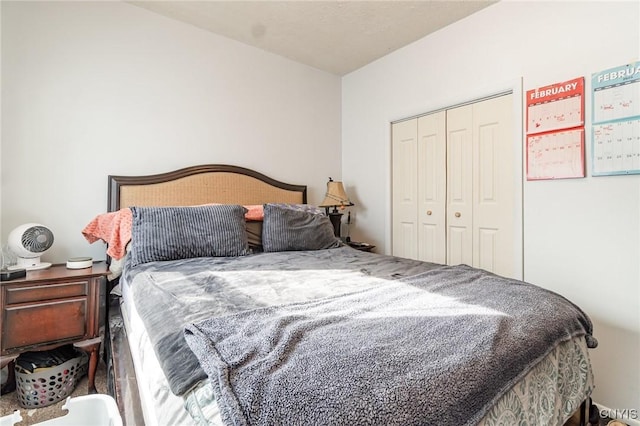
point(344, 337)
point(437, 348)
point(169, 295)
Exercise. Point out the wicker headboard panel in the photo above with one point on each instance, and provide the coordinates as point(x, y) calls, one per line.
point(211, 183)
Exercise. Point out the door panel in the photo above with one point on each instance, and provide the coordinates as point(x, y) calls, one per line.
point(432, 187)
point(487, 248)
point(405, 189)
point(487, 172)
point(459, 208)
point(457, 248)
point(494, 185)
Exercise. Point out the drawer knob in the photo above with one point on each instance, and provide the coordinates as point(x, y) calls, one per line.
point(458, 214)
point(429, 212)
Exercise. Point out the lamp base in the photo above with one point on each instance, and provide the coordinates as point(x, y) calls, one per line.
point(336, 220)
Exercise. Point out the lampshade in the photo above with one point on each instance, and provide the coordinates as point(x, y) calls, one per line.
point(335, 196)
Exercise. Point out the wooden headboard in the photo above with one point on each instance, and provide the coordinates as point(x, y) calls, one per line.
point(210, 183)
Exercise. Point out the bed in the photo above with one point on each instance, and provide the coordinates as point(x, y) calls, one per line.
point(307, 330)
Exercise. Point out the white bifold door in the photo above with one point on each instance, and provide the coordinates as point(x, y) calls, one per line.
point(454, 187)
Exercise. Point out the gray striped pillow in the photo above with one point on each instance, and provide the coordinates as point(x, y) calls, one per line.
point(285, 229)
point(169, 233)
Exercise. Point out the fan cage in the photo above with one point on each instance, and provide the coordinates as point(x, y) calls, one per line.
point(37, 239)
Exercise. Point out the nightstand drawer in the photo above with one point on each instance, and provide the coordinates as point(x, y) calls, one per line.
point(44, 322)
point(46, 292)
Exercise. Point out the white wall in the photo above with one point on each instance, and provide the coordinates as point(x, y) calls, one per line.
point(91, 89)
point(581, 237)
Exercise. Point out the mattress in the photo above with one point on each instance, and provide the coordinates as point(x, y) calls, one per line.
point(548, 394)
point(159, 405)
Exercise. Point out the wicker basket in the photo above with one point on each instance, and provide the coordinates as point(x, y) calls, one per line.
point(46, 386)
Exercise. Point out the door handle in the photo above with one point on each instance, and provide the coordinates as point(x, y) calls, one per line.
point(458, 214)
point(429, 212)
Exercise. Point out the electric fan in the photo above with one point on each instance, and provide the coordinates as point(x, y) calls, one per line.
point(28, 242)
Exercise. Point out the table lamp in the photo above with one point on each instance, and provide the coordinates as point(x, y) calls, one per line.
point(335, 197)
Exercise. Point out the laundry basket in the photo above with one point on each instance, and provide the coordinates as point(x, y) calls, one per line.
point(11, 419)
point(94, 410)
point(48, 385)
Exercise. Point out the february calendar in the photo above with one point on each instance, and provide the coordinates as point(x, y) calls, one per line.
point(555, 131)
point(556, 155)
point(554, 107)
point(616, 121)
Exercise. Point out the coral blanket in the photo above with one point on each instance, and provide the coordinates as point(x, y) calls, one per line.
point(114, 229)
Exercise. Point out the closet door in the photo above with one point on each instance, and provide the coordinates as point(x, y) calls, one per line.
point(494, 187)
point(460, 185)
point(432, 187)
point(481, 192)
point(405, 188)
point(455, 188)
point(419, 181)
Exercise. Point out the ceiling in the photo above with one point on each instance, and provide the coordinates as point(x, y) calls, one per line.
point(335, 36)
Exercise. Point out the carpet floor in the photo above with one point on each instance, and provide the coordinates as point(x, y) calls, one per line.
point(30, 416)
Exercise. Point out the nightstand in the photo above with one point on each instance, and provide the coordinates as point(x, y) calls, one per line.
point(361, 246)
point(53, 307)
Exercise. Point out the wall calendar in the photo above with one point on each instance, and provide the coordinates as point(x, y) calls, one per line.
point(555, 131)
point(616, 121)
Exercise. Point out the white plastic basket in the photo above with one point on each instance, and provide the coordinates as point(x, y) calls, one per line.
point(46, 386)
point(11, 419)
point(94, 410)
point(88, 410)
